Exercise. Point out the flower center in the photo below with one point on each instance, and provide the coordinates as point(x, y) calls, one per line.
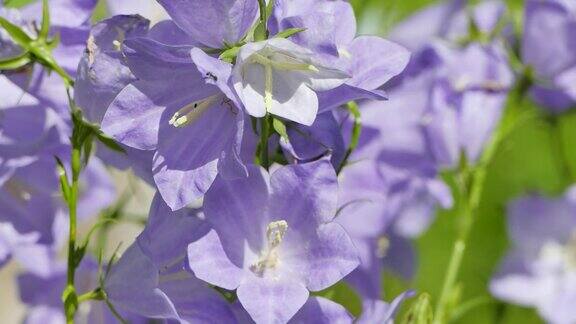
point(563, 255)
point(193, 111)
point(278, 61)
point(269, 258)
point(382, 246)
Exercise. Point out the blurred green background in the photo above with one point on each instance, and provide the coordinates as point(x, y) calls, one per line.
point(538, 156)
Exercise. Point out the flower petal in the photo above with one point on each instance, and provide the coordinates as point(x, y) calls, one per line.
point(270, 300)
point(213, 23)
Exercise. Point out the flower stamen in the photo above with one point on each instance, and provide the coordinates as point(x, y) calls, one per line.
point(269, 259)
point(192, 111)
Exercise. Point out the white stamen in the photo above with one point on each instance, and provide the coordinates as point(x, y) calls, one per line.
point(382, 246)
point(269, 258)
point(117, 45)
point(344, 53)
point(193, 111)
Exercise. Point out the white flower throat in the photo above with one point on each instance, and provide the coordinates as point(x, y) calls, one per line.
point(561, 254)
point(269, 258)
point(273, 60)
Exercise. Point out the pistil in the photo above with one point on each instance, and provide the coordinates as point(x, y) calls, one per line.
point(192, 111)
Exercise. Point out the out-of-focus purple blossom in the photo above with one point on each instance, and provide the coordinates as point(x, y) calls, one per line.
point(331, 33)
point(554, 64)
point(42, 296)
point(30, 204)
point(382, 208)
point(273, 239)
point(540, 269)
point(151, 278)
point(457, 97)
point(69, 20)
point(447, 20)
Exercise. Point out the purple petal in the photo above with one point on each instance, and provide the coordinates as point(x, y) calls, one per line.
point(209, 262)
point(375, 61)
point(138, 291)
point(330, 256)
point(213, 23)
point(237, 209)
point(542, 19)
point(534, 220)
point(181, 187)
point(321, 311)
point(305, 192)
point(269, 300)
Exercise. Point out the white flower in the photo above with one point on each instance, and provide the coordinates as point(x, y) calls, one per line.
point(280, 77)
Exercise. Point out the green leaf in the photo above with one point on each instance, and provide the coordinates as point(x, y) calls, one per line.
point(269, 8)
point(260, 32)
point(280, 128)
point(45, 29)
point(15, 62)
point(230, 54)
point(64, 182)
point(16, 33)
point(289, 32)
point(109, 142)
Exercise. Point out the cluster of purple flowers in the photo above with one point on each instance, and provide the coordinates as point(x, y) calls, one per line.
point(244, 116)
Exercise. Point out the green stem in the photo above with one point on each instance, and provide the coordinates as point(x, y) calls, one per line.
point(72, 207)
point(471, 193)
point(264, 136)
point(356, 132)
point(559, 149)
point(97, 294)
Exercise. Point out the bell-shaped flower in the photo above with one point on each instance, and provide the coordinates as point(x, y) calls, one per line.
point(151, 278)
point(540, 269)
point(70, 19)
point(280, 77)
point(330, 32)
point(182, 110)
point(273, 239)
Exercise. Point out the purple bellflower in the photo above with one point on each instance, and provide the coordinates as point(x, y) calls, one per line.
point(281, 77)
point(70, 20)
point(273, 239)
point(330, 33)
point(151, 278)
point(554, 65)
point(183, 110)
point(540, 269)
